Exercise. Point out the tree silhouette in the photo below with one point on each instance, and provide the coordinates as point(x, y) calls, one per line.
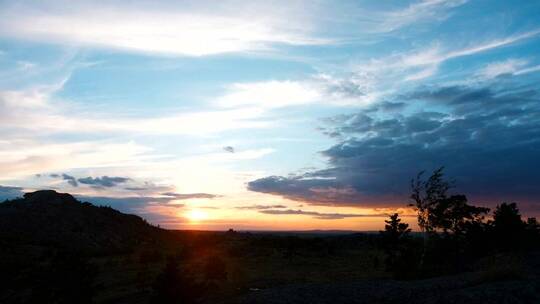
point(453, 215)
point(394, 230)
point(533, 225)
point(395, 235)
point(507, 217)
point(441, 214)
point(426, 194)
point(508, 227)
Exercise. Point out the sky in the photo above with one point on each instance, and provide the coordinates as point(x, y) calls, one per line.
point(269, 115)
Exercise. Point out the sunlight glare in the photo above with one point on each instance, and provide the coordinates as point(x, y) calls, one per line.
point(196, 215)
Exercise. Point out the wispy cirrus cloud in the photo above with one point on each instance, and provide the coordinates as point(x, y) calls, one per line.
point(26, 157)
point(372, 80)
point(510, 66)
point(199, 28)
point(427, 61)
point(420, 11)
point(498, 68)
point(18, 111)
point(528, 70)
point(196, 28)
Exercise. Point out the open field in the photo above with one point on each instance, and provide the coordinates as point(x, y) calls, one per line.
point(266, 268)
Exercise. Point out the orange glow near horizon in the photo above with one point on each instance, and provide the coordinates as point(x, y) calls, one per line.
point(248, 211)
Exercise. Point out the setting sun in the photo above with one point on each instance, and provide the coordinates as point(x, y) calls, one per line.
point(196, 215)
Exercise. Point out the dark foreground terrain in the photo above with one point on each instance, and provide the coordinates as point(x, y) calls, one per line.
point(55, 249)
point(496, 286)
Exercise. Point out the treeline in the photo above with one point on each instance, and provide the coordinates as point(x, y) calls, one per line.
point(455, 234)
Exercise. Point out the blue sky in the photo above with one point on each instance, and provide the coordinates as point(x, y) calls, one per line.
point(258, 115)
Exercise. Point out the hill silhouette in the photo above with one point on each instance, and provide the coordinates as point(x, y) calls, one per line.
point(49, 218)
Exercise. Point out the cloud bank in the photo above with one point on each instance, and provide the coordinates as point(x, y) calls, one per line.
point(487, 137)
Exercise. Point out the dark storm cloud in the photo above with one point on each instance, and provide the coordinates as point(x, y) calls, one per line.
point(7, 192)
point(260, 207)
point(488, 139)
point(104, 181)
point(318, 215)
